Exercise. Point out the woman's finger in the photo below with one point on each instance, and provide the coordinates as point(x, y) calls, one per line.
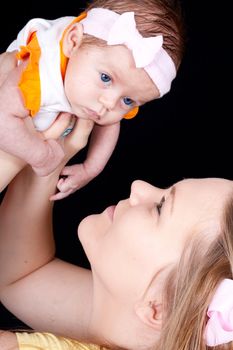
point(78, 138)
point(59, 126)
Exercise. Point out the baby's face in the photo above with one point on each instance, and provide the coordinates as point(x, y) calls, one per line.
point(103, 84)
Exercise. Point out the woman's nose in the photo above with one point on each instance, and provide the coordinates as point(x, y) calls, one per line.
point(143, 192)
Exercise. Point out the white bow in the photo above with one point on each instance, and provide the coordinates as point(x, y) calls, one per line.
point(124, 32)
point(148, 53)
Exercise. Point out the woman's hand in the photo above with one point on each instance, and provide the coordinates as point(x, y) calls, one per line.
point(9, 164)
point(8, 62)
point(79, 131)
point(72, 143)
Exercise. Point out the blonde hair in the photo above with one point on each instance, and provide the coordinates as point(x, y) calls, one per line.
point(191, 286)
point(153, 17)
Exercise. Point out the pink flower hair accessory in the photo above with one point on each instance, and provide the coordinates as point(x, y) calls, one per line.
point(148, 53)
point(219, 328)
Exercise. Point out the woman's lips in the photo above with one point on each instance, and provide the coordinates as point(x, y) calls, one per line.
point(110, 211)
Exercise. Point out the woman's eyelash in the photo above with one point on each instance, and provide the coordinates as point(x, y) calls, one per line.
point(160, 205)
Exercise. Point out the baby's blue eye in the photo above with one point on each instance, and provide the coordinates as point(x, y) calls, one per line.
point(105, 78)
point(128, 101)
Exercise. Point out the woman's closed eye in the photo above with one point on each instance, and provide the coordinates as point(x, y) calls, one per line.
point(160, 205)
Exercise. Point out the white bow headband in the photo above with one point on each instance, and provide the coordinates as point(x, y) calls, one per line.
point(148, 53)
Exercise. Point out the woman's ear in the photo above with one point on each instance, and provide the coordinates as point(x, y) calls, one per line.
point(150, 313)
point(72, 39)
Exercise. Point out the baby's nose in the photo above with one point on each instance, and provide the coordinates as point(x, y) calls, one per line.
point(109, 100)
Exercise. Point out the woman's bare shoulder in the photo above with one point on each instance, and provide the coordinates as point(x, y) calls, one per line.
point(8, 341)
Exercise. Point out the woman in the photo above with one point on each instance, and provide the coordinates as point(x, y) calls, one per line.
point(157, 259)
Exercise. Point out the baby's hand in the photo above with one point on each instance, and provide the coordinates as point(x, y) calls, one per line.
point(76, 177)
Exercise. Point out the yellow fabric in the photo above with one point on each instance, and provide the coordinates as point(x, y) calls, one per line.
point(48, 341)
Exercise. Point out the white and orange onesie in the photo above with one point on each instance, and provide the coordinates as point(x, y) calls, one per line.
point(41, 84)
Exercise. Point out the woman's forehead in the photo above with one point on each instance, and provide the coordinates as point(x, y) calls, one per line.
point(207, 185)
point(208, 196)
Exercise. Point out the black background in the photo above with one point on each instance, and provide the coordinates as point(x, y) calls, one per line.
point(185, 134)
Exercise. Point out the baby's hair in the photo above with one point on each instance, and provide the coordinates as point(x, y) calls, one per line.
point(191, 286)
point(153, 17)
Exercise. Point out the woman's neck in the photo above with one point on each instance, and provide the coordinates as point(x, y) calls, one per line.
point(114, 322)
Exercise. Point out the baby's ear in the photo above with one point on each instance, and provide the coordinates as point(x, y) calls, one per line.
point(72, 38)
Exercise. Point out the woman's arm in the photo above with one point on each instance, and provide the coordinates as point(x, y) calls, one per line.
point(9, 164)
point(44, 292)
point(8, 341)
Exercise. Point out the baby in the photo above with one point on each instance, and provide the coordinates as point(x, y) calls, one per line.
point(98, 67)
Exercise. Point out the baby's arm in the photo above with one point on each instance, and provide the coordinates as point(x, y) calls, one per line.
point(16, 138)
point(102, 143)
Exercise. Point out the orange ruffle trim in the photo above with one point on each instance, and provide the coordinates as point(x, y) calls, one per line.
point(29, 83)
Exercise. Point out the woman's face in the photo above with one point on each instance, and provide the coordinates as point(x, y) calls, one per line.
point(128, 244)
